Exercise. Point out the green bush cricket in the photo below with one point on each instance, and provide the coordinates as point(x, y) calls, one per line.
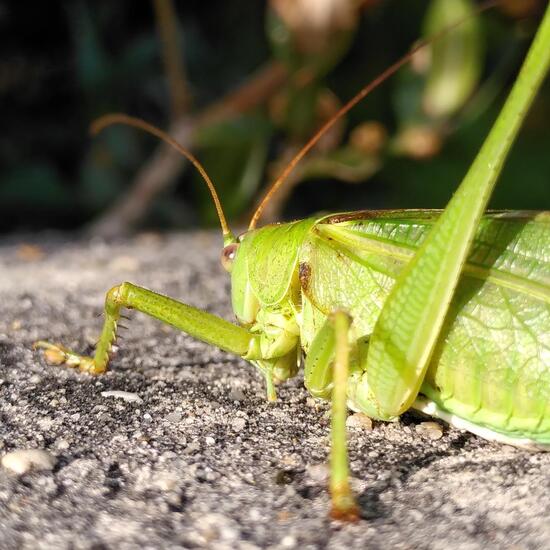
point(445, 312)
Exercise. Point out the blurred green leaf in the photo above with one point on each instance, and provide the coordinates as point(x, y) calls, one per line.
point(35, 184)
point(92, 62)
point(345, 164)
point(456, 59)
point(407, 98)
point(234, 155)
point(100, 184)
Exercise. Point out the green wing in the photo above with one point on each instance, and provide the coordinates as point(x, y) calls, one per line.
point(493, 353)
point(353, 260)
point(509, 245)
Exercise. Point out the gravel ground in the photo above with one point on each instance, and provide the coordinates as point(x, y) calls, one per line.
point(200, 459)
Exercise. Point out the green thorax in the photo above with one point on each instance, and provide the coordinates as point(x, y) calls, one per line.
point(266, 295)
point(264, 267)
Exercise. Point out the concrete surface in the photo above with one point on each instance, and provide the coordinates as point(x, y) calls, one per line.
point(200, 460)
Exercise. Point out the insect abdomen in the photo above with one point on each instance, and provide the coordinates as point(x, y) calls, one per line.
point(492, 363)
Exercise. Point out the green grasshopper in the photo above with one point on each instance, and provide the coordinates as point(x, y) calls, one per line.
point(445, 312)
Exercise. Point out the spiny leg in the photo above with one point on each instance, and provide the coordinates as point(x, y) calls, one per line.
point(197, 323)
point(343, 502)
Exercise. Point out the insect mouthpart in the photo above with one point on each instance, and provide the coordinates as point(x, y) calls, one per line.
point(228, 255)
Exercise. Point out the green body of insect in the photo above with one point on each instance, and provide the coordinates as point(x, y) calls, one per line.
point(447, 312)
point(491, 362)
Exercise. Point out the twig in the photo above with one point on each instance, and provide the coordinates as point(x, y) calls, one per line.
point(172, 58)
point(164, 165)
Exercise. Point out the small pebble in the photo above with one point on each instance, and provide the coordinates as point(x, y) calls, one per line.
point(62, 444)
point(210, 440)
point(192, 448)
point(25, 460)
point(165, 481)
point(359, 420)
point(288, 541)
point(126, 395)
point(46, 423)
point(432, 430)
point(238, 424)
point(173, 417)
point(29, 252)
point(236, 394)
point(319, 473)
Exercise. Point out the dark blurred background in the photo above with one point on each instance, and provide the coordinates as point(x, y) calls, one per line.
point(243, 84)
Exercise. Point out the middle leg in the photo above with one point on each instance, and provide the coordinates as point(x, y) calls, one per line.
point(326, 373)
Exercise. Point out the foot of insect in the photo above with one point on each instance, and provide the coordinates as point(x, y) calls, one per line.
point(56, 354)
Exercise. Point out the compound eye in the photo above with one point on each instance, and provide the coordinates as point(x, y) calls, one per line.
point(228, 255)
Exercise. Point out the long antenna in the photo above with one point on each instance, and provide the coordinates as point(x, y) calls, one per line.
point(354, 101)
point(118, 118)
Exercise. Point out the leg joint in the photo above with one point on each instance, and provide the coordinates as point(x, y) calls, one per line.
point(116, 297)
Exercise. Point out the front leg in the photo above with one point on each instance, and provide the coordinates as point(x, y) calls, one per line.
point(197, 323)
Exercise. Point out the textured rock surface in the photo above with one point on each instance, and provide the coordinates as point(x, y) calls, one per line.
point(202, 461)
